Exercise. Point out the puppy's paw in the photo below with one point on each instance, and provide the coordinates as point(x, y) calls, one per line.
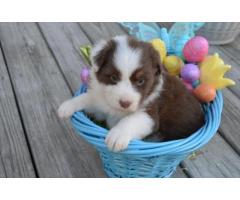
point(66, 109)
point(117, 140)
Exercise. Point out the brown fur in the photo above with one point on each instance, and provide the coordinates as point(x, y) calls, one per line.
point(149, 70)
point(104, 59)
point(176, 112)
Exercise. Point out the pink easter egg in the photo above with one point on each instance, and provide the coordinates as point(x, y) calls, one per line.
point(190, 73)
point(188, 86)
point(196, 49)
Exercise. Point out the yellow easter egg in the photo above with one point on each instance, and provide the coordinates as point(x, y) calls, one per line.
point(173, 64)
point(159, 45)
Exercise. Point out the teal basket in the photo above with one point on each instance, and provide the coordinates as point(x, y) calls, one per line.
point(148, 159)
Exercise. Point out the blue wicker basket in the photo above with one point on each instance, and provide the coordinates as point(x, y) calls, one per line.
point(148, 159)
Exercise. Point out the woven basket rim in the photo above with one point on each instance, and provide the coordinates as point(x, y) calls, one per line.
point(95, 134)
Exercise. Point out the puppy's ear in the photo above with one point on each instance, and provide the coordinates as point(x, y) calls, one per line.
point(101, 52)
point(156, 61)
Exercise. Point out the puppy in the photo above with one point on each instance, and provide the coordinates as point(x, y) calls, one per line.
point(130, 89)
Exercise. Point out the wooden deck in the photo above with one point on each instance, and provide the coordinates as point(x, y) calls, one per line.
point(39, 69)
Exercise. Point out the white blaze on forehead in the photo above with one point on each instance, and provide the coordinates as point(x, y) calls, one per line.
point(126, 58)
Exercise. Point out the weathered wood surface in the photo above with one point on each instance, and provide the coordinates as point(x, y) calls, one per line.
point(44, 65)
point(179, 173)
point(195, 168)
point(40, 88)
point(216, 159)
point(99, 30)
point(236, 43)
point(230, 125)
point(64, 40)
point(15, 159)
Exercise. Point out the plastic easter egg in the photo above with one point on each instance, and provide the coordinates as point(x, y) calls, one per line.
point(190, 73)
point(159, 45)
point(188, 86)
point(196, 49)
point(205, 92)
point(173, 64)
point(84, 75)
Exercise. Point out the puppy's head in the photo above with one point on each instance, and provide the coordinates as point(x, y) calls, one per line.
point(127, 70)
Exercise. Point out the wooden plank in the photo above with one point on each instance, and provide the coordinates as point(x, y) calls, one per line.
point(40, 88)
point(231, 113)
point(216, 159)
point(230, 124)
point(236, 43)
point(100, 30)
point(179, 173)
point(15, 159)
point(65, 39)
point(96, 32)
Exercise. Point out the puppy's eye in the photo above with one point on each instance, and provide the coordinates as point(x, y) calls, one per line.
point(140, 82)
point(114, 78)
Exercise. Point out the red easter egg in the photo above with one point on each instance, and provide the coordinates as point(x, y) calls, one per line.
point(205, 92)
point(196, 49)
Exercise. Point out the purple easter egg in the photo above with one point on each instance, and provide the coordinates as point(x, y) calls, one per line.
point(190, 73)
point(85, 75)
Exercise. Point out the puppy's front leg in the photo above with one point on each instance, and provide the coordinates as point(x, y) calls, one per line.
point(135, 126)
point(70, 106)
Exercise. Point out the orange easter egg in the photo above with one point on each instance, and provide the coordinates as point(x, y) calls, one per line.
point(205, 92)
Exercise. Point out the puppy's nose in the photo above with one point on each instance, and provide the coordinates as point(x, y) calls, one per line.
point(125, 104)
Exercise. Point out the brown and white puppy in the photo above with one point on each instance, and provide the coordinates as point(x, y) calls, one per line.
point(130, 90)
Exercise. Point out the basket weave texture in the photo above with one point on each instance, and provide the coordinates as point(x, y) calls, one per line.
point(148, 159)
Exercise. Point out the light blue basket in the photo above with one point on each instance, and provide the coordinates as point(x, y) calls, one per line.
point(148, 159)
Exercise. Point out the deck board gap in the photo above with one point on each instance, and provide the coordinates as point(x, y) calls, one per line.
point(55, 59)
point(185, 171)
point(184, 167)
point(20, 114)
point(233, 146)
point(83, 30)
